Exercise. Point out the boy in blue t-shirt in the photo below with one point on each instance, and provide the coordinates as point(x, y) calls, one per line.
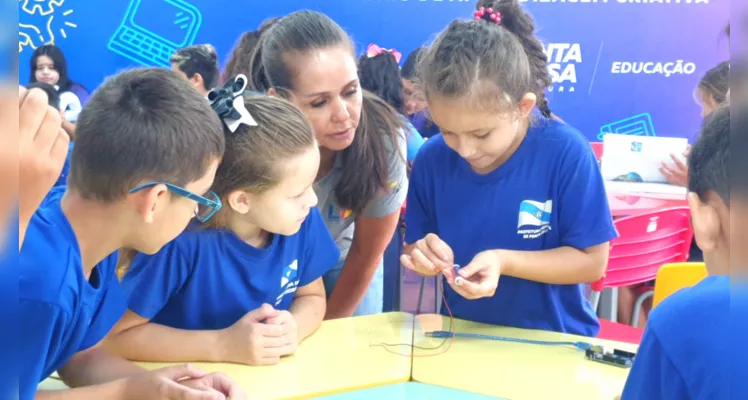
point(683, 354)
point(147, 144)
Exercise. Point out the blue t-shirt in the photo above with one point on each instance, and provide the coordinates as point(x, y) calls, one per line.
point(63, 179)
point(209, 279)
point(684, 353)
point(548, 194)
point(738, 331)
point(414, 141)
point(424, 125)
point(63, 311)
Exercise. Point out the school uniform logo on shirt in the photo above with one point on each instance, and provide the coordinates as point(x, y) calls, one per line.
point(337, 214)
point(535, 218)
point(289, 281)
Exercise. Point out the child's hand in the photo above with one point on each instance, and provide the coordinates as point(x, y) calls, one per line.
point(43, 148)
point(290, 330)
point(251, 341)
point(480, 278)
point(429, 256)
point(218, 385)
point(165, 383)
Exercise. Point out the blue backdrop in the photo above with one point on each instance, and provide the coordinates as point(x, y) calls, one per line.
point(627, 66)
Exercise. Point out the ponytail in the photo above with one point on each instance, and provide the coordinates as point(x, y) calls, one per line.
point(242, 57)
point(516, 20)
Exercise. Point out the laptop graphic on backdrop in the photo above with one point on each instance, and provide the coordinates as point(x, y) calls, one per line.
point(153, 29)
point(637, 125)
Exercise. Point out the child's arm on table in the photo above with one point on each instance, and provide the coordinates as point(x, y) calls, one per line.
point(175, 382)
point(307, 310)
point(96, 365)
point(248, 341)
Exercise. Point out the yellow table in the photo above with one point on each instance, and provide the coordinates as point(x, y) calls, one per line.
point(337, 358)
point(514, 371)
point(342, 357)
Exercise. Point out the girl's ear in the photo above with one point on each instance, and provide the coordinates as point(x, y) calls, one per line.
point(273, 92)
point(527, 103)
point(240, 201)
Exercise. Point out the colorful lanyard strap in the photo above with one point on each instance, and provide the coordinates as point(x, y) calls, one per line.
point(583, 346)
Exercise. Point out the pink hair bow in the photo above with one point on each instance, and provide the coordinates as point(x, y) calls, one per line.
point(375, 50)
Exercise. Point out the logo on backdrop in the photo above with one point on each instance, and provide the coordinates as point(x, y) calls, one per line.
point(620, 1)
point(289, 281)
point(637, 125)
point(152, 30)
point(42, 22)
point(666, 69)
point(563, 59)
point(534, 218)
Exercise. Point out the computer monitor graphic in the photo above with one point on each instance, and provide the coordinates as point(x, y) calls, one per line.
point(638, 125)
point(152, 30)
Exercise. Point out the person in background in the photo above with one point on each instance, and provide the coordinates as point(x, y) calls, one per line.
point(54, 102)
point(239, 62)
point(709, 94)
point(199, 65)
point(494, 203)
point(246, 287)
point(48, 65)
point(379, 72)
point(713, 87)
point(147, 144)
point(415, 102)
point(683, 354)
point(309, 59)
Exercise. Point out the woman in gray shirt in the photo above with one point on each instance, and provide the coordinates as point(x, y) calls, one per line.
point(362, 182)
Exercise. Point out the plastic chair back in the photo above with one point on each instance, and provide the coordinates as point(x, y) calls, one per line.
point(646, 243)
point(674, 277)
point(597, 147)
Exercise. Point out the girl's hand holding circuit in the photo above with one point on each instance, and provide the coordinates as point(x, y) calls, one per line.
point(480, 278)
point(429, 256)
point(252, 341)
point(285, 320)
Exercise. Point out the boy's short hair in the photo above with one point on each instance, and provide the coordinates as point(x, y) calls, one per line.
point(198, 59)
point(709, 162)
point(52, 95)
point(145, 124)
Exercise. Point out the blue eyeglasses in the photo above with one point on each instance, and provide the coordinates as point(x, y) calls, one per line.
point(206, 206)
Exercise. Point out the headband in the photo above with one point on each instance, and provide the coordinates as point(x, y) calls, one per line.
point(488, 14)
point(375, 50)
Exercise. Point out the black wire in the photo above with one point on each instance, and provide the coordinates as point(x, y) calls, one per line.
point(418, 312)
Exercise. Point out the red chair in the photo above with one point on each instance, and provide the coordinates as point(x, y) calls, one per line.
point(646, 242)
point(597, 147)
